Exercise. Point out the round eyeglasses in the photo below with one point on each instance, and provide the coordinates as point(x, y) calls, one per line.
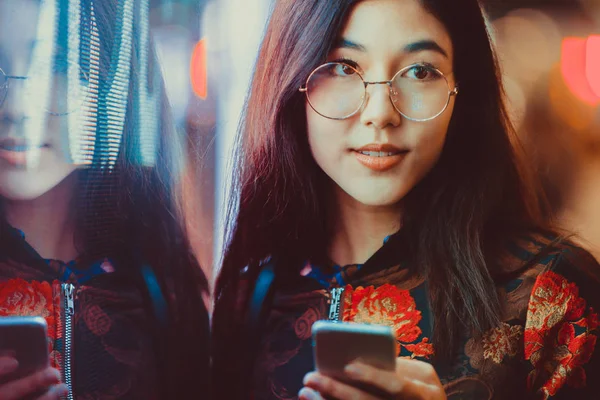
point(419, 92)
point(64, 98)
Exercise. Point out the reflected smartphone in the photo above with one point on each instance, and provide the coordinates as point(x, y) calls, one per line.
point(24, 338)
point(336, 344)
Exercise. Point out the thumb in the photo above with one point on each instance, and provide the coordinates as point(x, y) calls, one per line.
point(8, 365)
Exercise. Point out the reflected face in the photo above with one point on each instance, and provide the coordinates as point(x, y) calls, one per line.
point(376, 156)
point(33, 159)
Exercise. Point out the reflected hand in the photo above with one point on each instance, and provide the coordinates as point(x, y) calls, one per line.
point(46, 381)
point(412, 380)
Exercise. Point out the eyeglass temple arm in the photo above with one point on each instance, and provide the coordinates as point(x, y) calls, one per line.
point(302, 89)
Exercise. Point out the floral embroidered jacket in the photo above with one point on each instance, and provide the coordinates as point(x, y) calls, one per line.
point(545, 347)
point(100, 332)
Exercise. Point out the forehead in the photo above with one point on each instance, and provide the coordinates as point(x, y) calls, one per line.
point(18, 27)
point(18, 20)
point(384, 25)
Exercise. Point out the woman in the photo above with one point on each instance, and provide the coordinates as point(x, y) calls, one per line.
point(90, 236)
point(337, 160)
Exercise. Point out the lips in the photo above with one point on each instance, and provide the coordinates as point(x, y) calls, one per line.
point(379, 157)
point(16, 152)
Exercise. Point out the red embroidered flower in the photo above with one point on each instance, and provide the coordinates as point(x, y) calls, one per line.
point(422, 349)
point(19, 297)
point(388, 305)
point(554, 349)
point(303, 325)
point(97, 321)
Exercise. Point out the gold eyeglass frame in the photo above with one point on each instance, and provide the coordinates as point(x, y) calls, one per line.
point(451, 92)
point(6, 86)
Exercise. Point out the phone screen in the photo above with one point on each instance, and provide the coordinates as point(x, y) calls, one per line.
point(338, 344)
point(25, 339)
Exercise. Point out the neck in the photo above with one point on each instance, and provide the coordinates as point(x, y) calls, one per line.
point(47, 220)
point(359, 230)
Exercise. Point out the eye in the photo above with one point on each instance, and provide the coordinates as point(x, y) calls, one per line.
point(422, 72)
point(343, 70)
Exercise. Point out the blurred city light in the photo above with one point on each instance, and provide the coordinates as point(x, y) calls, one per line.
point(580, 58)
point(526, 60)
point(566, 105)
point(198, 70)
point(592, 67)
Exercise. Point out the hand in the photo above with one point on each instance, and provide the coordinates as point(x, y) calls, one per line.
point(412, 380)
point(46, 381)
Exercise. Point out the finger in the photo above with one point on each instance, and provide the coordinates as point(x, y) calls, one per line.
point(8, 364)
point(56, 392)
point(417, 370)
point(387, 381)
point(417, 390)
point(328, 387)
point(30, 384)
point(411, 372)
point(308, 394)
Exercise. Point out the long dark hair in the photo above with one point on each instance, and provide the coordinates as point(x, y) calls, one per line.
point(452, 221)
point(128, 209)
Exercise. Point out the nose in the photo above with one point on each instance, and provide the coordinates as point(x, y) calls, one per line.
point(12, 108)
point(12, 104)
point(378, 109)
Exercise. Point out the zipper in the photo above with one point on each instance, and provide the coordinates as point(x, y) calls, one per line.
point(68, 291)
point(335, 306)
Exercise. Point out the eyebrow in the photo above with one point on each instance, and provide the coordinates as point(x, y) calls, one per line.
point(415, 47)
point(348, 44)
point(424, 45)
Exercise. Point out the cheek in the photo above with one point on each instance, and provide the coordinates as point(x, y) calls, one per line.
point(27, 184)
point(70, 147)
point(326, 139)
point(430, 140)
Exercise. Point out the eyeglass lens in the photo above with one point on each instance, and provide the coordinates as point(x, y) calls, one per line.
point(66, 95)
point(336, 90)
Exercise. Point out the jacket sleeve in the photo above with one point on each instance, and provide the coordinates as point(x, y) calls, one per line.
point(561, 329)
point(229, 339)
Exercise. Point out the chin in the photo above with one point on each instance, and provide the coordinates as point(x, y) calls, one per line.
point(24, 189)
point(22, 193)
point(376, 199)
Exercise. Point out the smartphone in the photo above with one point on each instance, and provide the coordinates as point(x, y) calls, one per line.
point(24, 338)
point(337, 344)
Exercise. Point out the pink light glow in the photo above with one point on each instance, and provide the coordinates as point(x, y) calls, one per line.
point(198, 73)
point(592, 69)
point(574, 63)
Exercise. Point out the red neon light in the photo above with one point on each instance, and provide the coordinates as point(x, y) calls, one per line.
point(573, 68)
point(592, 67)
point(198, 73)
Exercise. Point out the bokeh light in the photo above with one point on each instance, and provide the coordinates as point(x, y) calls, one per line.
point(528, 44)
point(592, 65)
point(198, 71)
point(577, 113)
point(573, 68)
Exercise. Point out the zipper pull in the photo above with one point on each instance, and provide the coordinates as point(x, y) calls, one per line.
point(69, 290)
point(336, 304)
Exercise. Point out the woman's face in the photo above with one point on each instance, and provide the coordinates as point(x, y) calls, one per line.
point(377, 156)
point(33, 160)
